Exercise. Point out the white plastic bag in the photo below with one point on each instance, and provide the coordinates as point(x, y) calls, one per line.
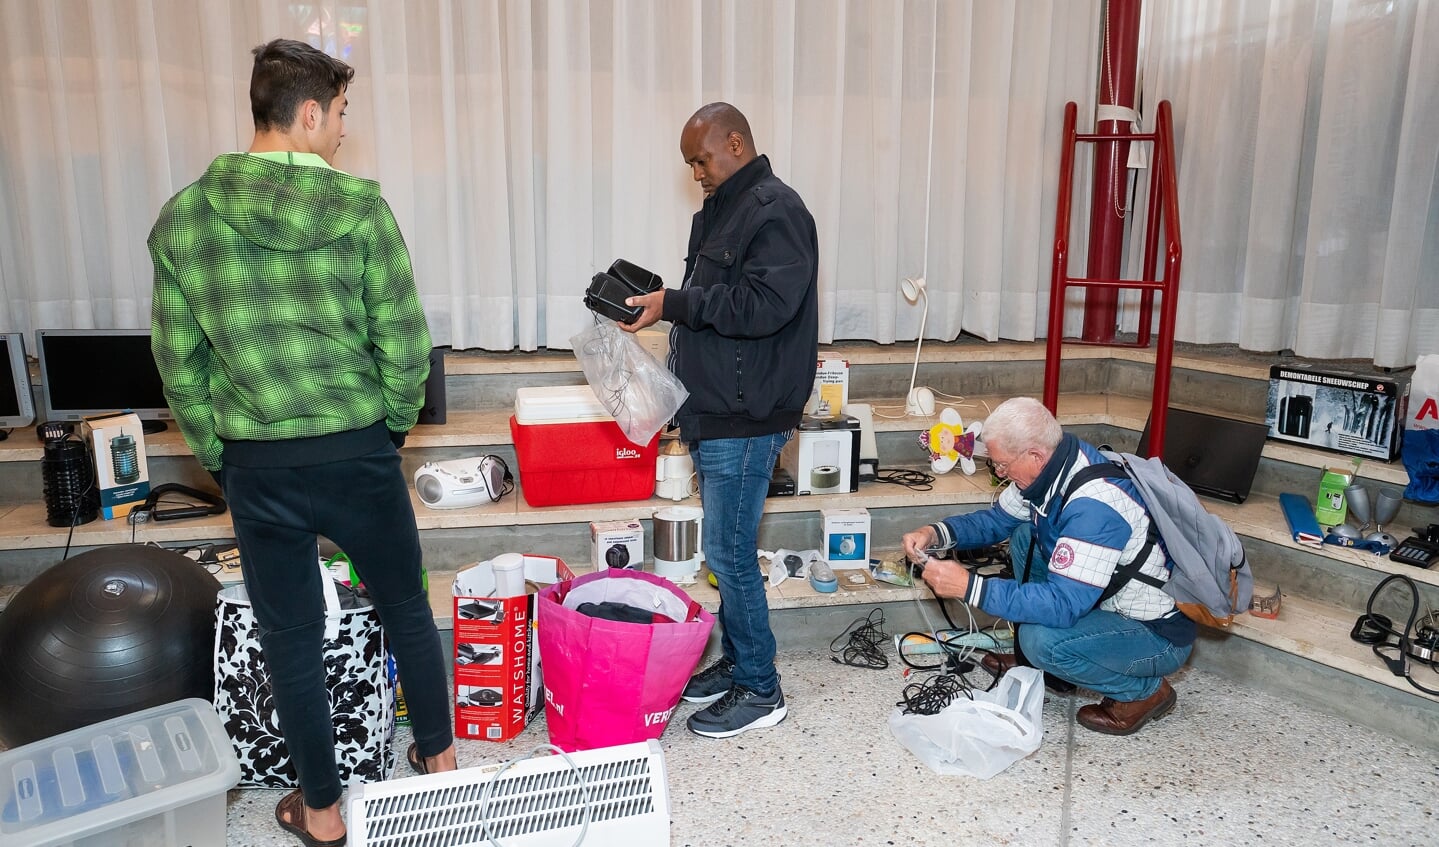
point(979, 737)
point(632, 385)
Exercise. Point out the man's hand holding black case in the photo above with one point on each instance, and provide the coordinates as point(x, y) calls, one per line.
point(609, 290)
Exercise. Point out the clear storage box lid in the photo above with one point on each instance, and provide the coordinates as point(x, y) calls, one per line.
point(106, 775)
point(559, 404)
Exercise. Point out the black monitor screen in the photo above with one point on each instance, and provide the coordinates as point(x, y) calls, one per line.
point(86, 372)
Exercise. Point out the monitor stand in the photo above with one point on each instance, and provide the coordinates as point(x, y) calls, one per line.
point(152, 427)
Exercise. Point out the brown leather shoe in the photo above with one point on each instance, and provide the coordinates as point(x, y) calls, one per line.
point(1112, 717)
point(998, 663)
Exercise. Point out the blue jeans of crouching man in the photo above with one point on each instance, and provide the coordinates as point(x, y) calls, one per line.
point(1104, 651)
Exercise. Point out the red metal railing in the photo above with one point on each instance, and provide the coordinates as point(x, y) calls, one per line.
point(1163, 210)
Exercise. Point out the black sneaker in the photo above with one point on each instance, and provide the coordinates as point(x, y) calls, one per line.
point(711, 683)
point(738, 710)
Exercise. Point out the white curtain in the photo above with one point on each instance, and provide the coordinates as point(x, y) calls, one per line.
point(526, 145)
point(1308, 147)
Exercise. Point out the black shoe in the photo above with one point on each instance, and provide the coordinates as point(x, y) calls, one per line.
point(711, 683)
point(738, 710)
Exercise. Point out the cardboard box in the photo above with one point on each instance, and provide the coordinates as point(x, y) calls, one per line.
point(571, 451)
point(823, 456)
point(831, 388)
point(1347, 412)
point(154, 777)
point(617, 544)
point(121, 472)
point(846, 537)
point(1331, 507)
point(497, 662)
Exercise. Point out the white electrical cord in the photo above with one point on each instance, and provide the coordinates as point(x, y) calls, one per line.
point(574, 769)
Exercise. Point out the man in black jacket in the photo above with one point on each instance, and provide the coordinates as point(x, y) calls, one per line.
point(745, 344)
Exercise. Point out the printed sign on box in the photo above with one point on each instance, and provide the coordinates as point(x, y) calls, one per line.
point(497, 664)
point(831, 386)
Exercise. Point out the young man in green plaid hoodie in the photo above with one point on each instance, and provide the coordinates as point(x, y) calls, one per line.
point(293, 348)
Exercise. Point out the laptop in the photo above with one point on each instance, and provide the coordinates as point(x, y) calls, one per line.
point(1215, 456)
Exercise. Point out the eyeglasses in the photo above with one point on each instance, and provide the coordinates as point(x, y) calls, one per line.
point(1002, 468)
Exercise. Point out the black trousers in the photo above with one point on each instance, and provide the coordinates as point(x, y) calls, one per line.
point(362, 505)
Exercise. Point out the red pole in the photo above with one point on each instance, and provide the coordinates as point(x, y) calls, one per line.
point(1117, 70)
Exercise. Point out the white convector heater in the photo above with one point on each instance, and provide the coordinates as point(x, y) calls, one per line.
point(536, 802)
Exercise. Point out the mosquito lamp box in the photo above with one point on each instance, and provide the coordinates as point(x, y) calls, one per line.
point(497, 662)
point(121, 472)
point(155, 777)
point(572, 451)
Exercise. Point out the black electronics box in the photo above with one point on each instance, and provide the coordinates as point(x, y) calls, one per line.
point(781, 484)
point(1348, 412)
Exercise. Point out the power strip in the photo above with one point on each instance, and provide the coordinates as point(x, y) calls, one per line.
point(1002, 641)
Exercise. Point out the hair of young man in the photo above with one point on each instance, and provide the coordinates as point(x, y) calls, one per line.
point(724, 119)
point(1020, 424)
point(287, 73)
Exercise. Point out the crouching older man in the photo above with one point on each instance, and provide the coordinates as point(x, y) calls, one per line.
point(1121, 646)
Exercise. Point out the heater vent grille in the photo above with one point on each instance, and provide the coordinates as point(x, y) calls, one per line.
point(535, 802)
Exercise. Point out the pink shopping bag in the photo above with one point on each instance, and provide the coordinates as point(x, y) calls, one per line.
point(612, 682)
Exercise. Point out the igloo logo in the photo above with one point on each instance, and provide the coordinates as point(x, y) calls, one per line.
point(626, 453)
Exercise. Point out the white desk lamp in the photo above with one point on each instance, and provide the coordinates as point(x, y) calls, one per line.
point(919, 402)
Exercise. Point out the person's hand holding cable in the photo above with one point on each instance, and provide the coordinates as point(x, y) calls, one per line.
point(945, 578)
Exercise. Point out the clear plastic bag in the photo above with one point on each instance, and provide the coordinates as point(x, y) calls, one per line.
point(632, 385)
point(979, 737)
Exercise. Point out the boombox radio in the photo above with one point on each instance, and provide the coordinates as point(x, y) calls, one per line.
point(458, 483)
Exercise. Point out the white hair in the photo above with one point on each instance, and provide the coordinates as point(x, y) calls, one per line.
point(1020, 424)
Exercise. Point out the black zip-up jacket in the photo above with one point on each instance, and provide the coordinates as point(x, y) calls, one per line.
point(746, 321)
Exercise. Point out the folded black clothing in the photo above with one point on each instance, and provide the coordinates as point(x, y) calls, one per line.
point(612, 611)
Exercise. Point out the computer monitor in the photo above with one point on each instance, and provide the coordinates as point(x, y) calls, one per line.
point(17, 404)
point(96, 371)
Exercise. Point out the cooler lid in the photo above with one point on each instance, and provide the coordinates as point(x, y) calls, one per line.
point(559, 404)
point(103, 776)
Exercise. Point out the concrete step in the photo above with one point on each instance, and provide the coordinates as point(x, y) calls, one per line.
point(1105, 399)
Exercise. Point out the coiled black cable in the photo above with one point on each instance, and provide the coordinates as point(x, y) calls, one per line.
point(933, 695)
point(863, 643)
point(914, 480)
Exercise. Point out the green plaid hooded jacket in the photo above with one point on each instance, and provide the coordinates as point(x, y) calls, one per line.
point(284, 307)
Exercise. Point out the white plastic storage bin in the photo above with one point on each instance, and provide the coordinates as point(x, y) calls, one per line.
point(559, 404)
point(155, 778)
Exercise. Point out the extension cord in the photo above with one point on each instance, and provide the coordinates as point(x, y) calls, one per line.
point(1000, 641)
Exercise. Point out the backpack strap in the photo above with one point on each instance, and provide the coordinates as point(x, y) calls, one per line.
point(1127, 570)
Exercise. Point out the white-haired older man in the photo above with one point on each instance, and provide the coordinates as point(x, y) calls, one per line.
point(1064, 558)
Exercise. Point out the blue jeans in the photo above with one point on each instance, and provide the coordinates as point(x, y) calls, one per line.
point(1105, 652)
point(734, 476)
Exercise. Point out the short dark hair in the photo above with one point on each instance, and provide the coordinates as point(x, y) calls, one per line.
point(725, 118)
point(286, 74)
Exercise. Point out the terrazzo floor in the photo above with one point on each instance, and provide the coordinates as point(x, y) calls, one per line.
point(1230, 766)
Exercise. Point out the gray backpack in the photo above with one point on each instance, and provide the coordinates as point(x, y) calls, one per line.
point(1211, 581)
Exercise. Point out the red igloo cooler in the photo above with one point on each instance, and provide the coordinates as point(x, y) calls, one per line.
point(571, 450)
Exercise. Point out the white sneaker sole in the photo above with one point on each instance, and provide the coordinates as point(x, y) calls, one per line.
point(770, 719)
point(703, 700)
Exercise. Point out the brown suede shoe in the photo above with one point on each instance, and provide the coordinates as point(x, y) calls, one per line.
point(1112, 717)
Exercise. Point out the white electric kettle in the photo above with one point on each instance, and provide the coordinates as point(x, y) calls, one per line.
point(679, 531)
